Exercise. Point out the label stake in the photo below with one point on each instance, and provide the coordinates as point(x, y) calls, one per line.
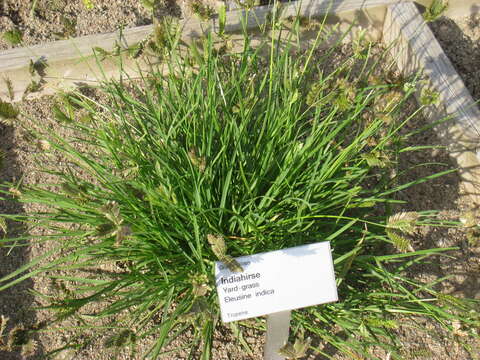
point(278, 328)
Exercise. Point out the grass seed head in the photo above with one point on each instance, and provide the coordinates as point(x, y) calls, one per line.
point(457, 329)
point(198, 162)
point(167, 194)
point(202, 10)
point(375, 80)
point(403, 221)
point(473, 236)
point(17, 338)
point(468, 219)
point(386, 103)
point(346, 93)
point(105, 229)
point(429, 96)
point(111, 210)
point(3, 228)
point(247, 4)
point(2, 158)
point(376, 159)
point(15, 192)
point(8, 113)
point(200, 285)
point(29, 349)
point(43, 145)
point(217, 243)
point(219, 248)
point(35, 85)
point(399, 225)
point(315, 96)
point(122, 233)
point(123, 338)
point(232, 264)
point(296, 350)
point(3, 326)
point(198, 313)
point(130, 172)
point(9, 86)
point(379, 322)
point(386, 118)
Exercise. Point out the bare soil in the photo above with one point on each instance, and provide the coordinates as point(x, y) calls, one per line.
point(460, 40)
point(58, 19)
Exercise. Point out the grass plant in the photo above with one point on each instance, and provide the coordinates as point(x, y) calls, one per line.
point(217, 154)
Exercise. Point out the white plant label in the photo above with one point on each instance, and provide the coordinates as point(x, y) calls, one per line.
point(276, 281)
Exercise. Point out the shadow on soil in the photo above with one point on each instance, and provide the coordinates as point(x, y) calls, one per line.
point(15, 303)
point(463, 52)
point(441, 194)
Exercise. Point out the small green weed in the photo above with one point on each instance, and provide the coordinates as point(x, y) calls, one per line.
point(13, 37)
point(89, 4)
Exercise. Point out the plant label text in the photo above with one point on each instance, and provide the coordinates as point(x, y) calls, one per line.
point(276, 281)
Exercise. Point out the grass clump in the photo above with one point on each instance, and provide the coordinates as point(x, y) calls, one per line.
point(229, 154)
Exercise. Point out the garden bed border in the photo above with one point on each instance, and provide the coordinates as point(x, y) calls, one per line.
point(415, 49)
